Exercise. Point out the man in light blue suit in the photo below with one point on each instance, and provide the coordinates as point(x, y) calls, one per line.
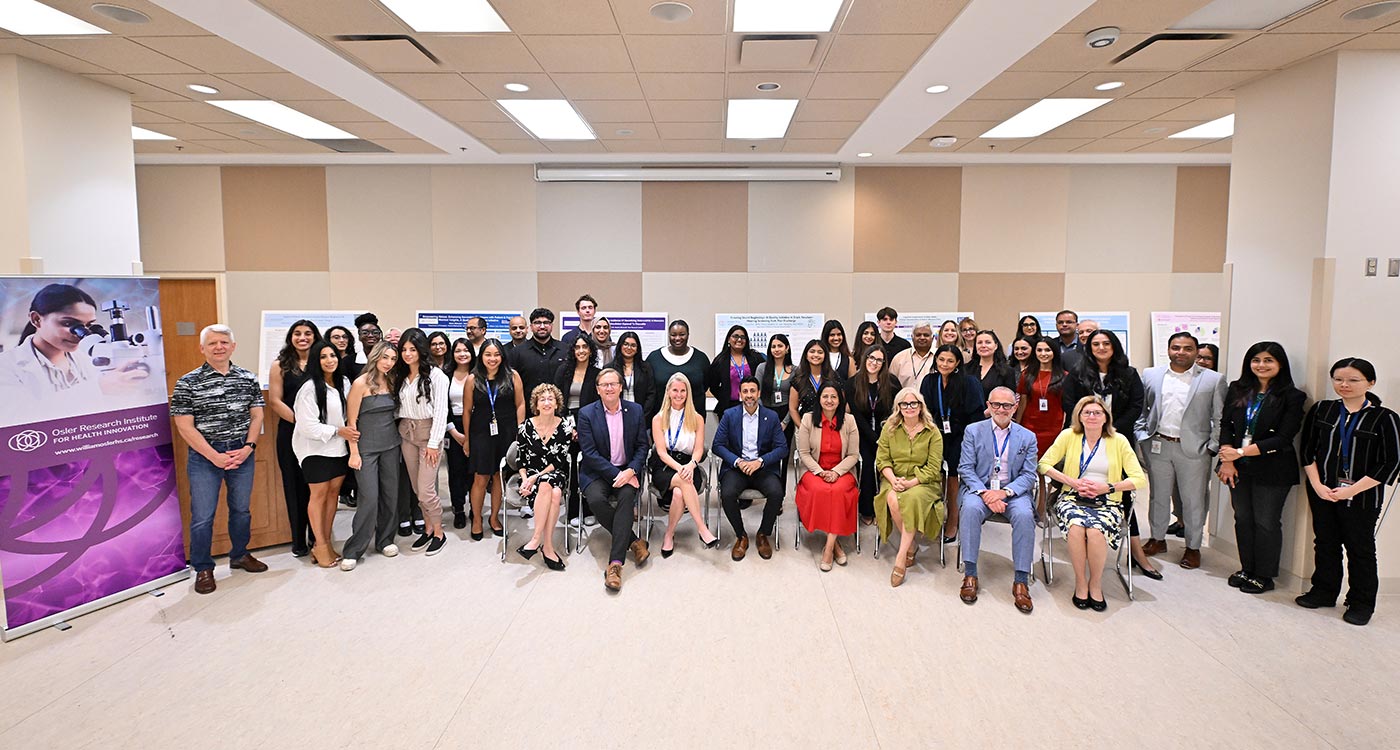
point(998, 473)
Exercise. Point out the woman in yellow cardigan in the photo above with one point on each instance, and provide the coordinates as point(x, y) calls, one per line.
point(909, 460)
point(1099, 466)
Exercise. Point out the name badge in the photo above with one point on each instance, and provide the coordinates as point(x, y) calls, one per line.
point(947, 427)
point(1344, 481)
point(1246, 441)
point(1044, 404)
point(995, 483)
point(494, 429)
point(1156, 446)
point(778, 396)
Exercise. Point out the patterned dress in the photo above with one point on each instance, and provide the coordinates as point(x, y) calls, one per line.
point(536, 454)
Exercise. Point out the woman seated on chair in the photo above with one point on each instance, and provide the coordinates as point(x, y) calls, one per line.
point(678, 432)
point(543, 443)
point(1099, 466)
point(828, 447)
point(909, 458)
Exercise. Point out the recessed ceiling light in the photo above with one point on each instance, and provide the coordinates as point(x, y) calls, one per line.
point(1043, 116)
point(754, 119)
point(1109, 86)
point(142, 134)
point(518, 88)
point(1374, 10)
point(625, 131)
point(120, 13)
point(671, 12)
point(32, 18)
point(1213, 130)
point(202, 89)
point(548, 119)
point(768, 86)
point(1234, 15)
point(459, 16)
point(865, 154)
point(936, 89)
point(281, 117)
point(778, 16)
point(942, 141)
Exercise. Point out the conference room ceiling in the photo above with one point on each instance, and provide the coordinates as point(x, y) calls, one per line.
point(656, 90)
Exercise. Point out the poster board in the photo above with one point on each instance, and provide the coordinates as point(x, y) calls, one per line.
point(650, 327)
point(276, 323)
point(454, 322)
point(1205, 326)
point(1118, 322)
point(904, 326)
point(799, 328)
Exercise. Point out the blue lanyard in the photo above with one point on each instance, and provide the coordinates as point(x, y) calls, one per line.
point(816, 384)
point(1251, 412)
point(1083, 459)
point(1001, 450)
point(739, 371)
point(491, 392)
point(673, 438)
point(1348, 428)
point(938, 388)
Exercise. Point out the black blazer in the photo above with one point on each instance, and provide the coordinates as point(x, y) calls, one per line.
point(564, 378)
point(717, 377)
point(1277, 423)
point(1003, 376)
point(1375, 447)
point(643, 384)
point(1128, 398)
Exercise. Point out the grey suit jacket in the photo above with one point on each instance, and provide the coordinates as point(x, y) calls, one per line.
point(1200, 426)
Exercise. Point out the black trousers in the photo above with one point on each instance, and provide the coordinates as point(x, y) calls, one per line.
point(1259, 525)
point(1350, 527)
point(459, 476)
point(294, 488)
point(868, 481)
point(770, 483)
point(615, 508)
point(409, 511)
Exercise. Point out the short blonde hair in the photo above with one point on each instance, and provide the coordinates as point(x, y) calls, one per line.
point(1077, 425)
point(897, 416)
point(542, 389)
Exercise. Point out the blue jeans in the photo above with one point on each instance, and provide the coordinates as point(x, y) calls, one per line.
point(205, 479)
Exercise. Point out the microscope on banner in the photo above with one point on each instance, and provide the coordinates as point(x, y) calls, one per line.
point(115, 349)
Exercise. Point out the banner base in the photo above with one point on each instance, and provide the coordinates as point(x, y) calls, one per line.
point(59, 618)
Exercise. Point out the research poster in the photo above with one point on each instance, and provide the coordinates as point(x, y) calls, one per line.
point(650, 327)
point(88, 507)
point(1205, 326)
point(799, 328)
point(276, 323)
point(905, 325)
point(1118, 322)
point(454, 322)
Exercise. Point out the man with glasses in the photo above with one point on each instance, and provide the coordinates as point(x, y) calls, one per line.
point(1071, 351)
point(998, 477)
point(751, 446)
point(476, 335)
point(540, 356)
point(613, 446)
point(519, 330)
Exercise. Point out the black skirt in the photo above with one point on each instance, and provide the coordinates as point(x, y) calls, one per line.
point(319, 469)
point(662, 475)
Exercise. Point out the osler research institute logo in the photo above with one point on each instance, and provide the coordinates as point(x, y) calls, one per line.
point(28, 440)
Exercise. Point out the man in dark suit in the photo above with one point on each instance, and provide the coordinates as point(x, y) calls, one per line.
point(613, 445)
point(751, 446)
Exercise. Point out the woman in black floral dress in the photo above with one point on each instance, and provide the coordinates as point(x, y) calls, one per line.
point(544, 441)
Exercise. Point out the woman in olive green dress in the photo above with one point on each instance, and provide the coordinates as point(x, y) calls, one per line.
point(909, 459)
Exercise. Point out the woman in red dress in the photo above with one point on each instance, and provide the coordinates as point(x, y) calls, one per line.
point(1040, 410)
point(828, 447)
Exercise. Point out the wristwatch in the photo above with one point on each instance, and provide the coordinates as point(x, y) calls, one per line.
point(250, 445)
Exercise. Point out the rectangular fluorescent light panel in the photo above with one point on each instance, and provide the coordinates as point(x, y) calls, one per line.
point(33, 18)
point(142, 134)
point(755, 119)
point(778, 16)
point(1044, 116)
point(280, 117)
point(548, 119)
point(1226, 15)
point(452, 16)
point(1213, 130)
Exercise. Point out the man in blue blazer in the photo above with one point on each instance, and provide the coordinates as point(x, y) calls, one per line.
point(751, 446)
point(998, 475)
point(613, 443)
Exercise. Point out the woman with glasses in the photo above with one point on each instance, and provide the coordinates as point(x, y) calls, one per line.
point(1029, 327)
point(967, 340)
point(1208, 356)
point(871, 398)
point(636, 373)
point(909, 459)
point(730, 367)
point(438, 346)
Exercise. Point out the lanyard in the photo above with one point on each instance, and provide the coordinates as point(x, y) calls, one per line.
point(1251, 413)
point(816, 384)
point(1001, 450)
point(938, 388)
point(1083, 459)
point(1348, 428)
point(920, 369)
point(491, 392)
point(739, 371)
point(779, 375)
point(674, 437)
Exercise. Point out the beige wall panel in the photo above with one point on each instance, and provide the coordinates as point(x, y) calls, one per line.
point(802, 226)
point(275, 218)
point(249, 293)
point(905, 292)
point(696, 297)
point(614, 291)
point(589, 227)
point(997, 299)
point(483, 218)
point(180, 217)
point(825, 293)
point(907, 219)
point(1014, 219)
point(485, 290)
point(1137, 293)
point(380, 217)
point(695, 226)
point(1120, 218)
point(395, 296)
point(1202, 207)
point(1199, 292)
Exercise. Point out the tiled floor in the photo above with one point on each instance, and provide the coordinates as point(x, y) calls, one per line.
point(460, 650)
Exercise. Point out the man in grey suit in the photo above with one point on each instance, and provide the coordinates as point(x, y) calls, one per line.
point(1179, 433)
point(998, 473)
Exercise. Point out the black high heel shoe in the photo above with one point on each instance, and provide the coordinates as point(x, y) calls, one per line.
point(668, 552)
point(476, 536)
point(712, 544)
point(1155, 575)
point(553, 563)
point(527, 553)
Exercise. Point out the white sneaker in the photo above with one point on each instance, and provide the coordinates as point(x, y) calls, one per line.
point(590, 521)
point(390, 550)
point(347, 564)
point(527, 512)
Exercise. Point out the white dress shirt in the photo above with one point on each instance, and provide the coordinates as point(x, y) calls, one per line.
point(749, 449)
point(1176, 387)
point(311, 436)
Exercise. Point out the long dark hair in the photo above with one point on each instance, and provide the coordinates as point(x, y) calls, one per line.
point(349, 339)
point(1362, 366)
point(1032, 370)
point(445, 340)
point(1118, 367)
point(840, 415)
point(449, 366)
point(313, 359)
point(53, 298)
point(287, 358)
point(956, 351)
point(999, 361)
point(955, 394)
point(725, 350)
point(573, 350)
point(803, 373)
point(415, 338)
point(1020, 326)
point(765, 386)
point(845, 349)
point(503, 380)
point(858, 347)
point(616, 362)
point(1242, 390)
point(884, 382)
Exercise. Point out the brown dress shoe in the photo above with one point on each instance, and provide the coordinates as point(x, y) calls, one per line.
point(612, 579)
point(897, 576)
point(640, 552)
point(204, 582)
point(968, 592)
point(249, 564)
point(1154, 547)
point(1021, 593)
point(1191, 559)
point(765, 546)
point(741, 548)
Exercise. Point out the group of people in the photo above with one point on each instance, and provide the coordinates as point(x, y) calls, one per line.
point(929, 436)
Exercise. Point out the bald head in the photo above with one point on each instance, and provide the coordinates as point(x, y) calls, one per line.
point(1001, 402)
point(1086, 328)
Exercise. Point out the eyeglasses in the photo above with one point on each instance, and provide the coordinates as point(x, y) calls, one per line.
point(909, 405)
point(1001, 405)
point(1087, 413)
point(609, 385)
point(876, 360)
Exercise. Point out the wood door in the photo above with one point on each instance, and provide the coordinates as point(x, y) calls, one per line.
point(186, 306)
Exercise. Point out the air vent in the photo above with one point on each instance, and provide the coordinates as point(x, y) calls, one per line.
point(1171, 51)
point(350, 145)
point(389, 53)
point(777, 52)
